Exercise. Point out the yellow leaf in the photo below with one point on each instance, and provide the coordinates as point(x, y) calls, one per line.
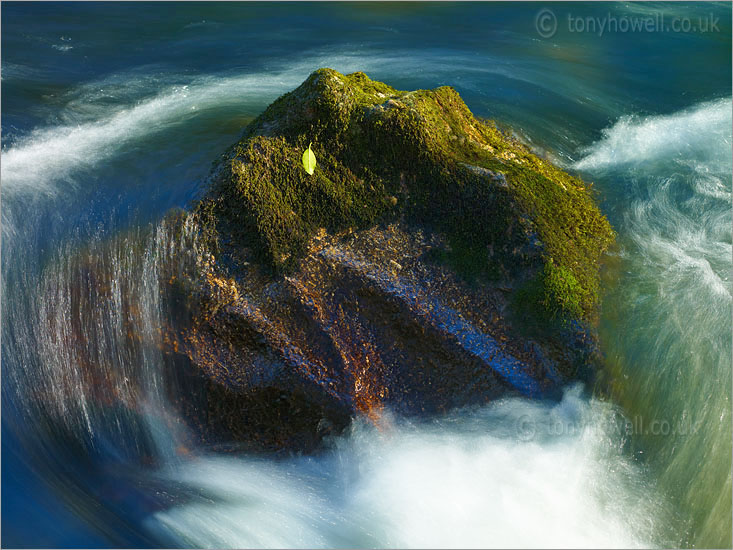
point(309, 161)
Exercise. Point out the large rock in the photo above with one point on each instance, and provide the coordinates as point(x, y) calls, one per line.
point(431, 261)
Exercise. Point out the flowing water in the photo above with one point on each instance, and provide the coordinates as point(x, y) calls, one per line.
point(112, 115)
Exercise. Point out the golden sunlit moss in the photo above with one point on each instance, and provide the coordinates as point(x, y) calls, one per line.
point(421, 156)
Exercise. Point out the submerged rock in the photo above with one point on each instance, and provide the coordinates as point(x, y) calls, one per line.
point(430, 261)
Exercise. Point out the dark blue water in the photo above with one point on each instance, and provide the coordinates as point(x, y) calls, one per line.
point(112, 114)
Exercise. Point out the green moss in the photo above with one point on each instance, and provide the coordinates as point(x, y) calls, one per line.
point(421, 155)
point(563, 294)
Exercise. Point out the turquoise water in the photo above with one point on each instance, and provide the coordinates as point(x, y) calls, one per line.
point(112, 114)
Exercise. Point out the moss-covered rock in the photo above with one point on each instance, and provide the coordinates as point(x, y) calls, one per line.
point(429, 262)
point(419, 156)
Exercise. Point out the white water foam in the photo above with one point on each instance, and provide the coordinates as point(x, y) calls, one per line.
point(679, 168)
point(702, 132)
point(517, 473)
